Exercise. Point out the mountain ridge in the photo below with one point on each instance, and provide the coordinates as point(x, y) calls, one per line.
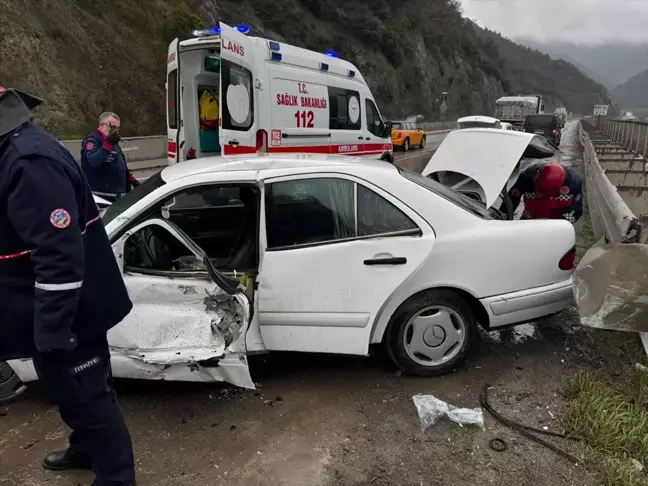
point(92, 56)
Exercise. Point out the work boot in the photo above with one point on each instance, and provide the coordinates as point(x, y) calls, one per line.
point(67, 459)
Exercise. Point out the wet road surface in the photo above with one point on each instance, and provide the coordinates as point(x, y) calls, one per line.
point(329, 421)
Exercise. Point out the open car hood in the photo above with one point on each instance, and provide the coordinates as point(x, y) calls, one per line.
point(489, 156)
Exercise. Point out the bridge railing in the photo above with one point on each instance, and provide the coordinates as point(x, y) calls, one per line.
point(629, 133)
point(610, 215)
point(610, 281)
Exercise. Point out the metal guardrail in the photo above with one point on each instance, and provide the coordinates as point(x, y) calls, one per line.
point(630, 133)
point(610, 215)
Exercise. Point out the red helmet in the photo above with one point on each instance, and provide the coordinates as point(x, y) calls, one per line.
point(550, 179)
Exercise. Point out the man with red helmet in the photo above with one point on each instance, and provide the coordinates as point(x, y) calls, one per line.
point(550, 191)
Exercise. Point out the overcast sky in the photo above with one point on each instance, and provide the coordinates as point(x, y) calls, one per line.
point(580, 21)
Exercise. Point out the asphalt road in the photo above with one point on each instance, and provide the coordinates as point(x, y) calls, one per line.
point(331, 421)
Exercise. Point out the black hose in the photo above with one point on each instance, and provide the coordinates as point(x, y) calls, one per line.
point(525, 430)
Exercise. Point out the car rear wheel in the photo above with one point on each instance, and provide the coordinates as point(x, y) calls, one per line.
point(423, 142)
point(432, 333)
point(10, 385)
point(406, 145)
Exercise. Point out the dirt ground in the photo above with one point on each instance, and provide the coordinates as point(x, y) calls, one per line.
point(331, 421)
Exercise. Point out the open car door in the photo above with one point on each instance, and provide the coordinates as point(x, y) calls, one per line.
point(175, 130)
point(188, 322)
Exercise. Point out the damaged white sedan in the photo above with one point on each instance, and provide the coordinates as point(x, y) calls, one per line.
point(224, 258)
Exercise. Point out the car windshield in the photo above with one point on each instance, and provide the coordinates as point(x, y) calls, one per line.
point(465, 202)
point(130, 198)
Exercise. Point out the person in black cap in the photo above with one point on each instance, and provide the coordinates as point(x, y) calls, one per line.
point(60, 290)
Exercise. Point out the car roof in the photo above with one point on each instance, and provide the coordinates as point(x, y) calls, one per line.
point(263, 162)
point(477, 118)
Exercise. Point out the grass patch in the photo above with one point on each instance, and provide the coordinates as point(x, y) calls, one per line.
point(611, 414)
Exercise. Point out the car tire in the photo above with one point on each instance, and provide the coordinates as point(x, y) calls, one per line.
point(406, 145)
point(446, 326)
point(11, 387)
point(423, 142)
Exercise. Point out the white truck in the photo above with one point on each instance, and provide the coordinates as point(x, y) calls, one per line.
point(230, 94)
point(515, 109)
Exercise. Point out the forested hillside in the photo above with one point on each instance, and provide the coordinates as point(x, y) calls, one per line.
point(633, 94)
point(88, 56)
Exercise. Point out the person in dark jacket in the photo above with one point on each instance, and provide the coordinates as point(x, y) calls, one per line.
point(103, 161)
point(61, 290)
point(550, 191)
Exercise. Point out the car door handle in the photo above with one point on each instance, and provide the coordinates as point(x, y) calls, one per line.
point(234, 143)
point(360, 138)
point(368, 138)
point(386, 261)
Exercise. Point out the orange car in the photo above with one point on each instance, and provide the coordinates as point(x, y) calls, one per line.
point(405, 134)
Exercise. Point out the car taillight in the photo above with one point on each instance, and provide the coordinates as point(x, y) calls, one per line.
point(399, 134)
point(262, 142)
point(568, 259)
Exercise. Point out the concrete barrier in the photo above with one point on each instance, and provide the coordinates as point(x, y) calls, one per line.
point(140, 152)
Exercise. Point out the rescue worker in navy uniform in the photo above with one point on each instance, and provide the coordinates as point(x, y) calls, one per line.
point(550, 191)
point(103, 161)
point(60, 290)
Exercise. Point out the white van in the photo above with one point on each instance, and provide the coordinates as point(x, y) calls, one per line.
point(231, 94)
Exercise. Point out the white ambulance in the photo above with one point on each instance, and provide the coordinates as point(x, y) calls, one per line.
point(229, 94)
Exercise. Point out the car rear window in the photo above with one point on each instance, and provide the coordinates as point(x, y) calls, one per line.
point(397, 125)
point(540, 121)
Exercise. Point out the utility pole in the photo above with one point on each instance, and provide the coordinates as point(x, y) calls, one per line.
point(443, 109)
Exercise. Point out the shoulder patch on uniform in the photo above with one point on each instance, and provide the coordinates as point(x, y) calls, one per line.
point(564, 190)
point(60, 218)
point(89, 146)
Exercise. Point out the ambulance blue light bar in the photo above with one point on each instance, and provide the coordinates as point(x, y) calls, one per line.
point(216, 30)
point(242, 28)
point(208, 31)
point(274, 46)
point(331, 53)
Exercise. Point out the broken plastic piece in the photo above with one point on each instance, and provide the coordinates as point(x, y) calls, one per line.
point(431, 409)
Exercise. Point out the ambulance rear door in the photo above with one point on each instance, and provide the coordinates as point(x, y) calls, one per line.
point(347, 134)
point(238, 103)
point(299, 105)
point(174, 118)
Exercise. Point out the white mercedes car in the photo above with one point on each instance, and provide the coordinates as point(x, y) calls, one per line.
point(224, 258)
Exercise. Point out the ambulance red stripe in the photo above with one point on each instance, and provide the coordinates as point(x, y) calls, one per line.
point(342, 149)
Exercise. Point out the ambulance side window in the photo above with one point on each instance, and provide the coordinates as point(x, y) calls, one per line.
point(375, 124)
point(344, 109)
point(238, 97)
point(172, 102)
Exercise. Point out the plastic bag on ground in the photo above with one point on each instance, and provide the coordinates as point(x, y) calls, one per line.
point(431, 409)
